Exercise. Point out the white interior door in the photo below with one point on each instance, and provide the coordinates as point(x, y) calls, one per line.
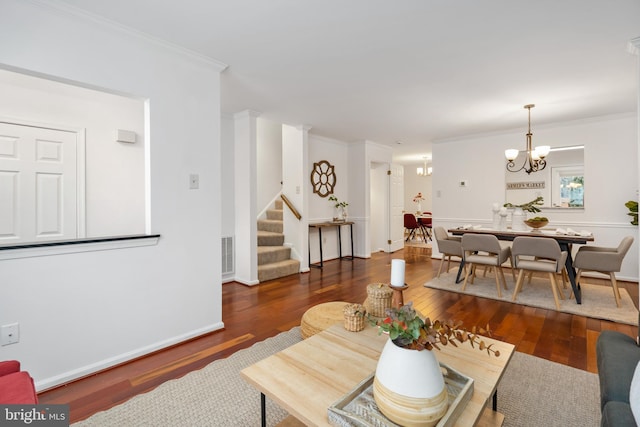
point(396, 206)
point(37, 184)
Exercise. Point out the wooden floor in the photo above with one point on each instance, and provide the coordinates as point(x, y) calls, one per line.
point(251, 314)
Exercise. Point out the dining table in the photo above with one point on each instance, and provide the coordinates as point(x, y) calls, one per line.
point(565, 240)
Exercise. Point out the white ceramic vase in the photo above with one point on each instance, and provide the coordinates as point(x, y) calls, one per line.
point(517, 220)
point(409, 388)
point(419, 207)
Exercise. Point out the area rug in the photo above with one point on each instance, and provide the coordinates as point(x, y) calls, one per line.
point(533, 392)
point(597, 301)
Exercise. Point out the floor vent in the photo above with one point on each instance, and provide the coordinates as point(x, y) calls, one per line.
point(227, 255)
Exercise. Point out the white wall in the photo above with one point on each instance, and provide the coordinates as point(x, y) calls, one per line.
point(268, 162)
point(611, 177)
point(114, 170)
point(79, 313)
point(320, 208)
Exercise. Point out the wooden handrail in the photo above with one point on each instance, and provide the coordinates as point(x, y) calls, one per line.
point(294, 211)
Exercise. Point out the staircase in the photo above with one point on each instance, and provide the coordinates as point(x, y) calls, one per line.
point(274, 259)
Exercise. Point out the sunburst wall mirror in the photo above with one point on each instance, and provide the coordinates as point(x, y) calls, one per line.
point(323, 178)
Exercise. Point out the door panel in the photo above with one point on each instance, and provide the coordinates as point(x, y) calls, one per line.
point(38, 179)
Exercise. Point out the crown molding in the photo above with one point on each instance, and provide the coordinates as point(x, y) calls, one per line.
point(66, 9)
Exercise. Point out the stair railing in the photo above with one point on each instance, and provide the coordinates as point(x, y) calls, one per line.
point(293, 210)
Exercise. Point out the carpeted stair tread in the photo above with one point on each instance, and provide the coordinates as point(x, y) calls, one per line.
point(275, 214)
point(270, 238)
point(271, 254)
point(278, 269)
point(270, 225)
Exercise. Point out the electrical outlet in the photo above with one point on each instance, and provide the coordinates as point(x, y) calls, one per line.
point(9, 334)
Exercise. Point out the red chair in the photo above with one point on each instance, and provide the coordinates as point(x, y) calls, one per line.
point(427, 225)
point(16, 386)
point(411, 225)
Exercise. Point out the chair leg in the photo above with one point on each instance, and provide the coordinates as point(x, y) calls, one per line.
point(448, 263)
point(530, 276)
point(498, 270)
point(513, 271)
point(565, 278)
point(441, 264)
point(504, 281)
point(473, 273)
point(518, 284)
point(554, 289)
point(616, 291)
point(466, 276)
point(578, 275)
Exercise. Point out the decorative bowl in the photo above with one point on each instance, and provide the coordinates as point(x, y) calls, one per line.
point(533, 223)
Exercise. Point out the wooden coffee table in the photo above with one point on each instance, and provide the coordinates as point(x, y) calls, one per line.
point(308, 377)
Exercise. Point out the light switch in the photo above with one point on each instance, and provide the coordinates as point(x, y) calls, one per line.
point(194, 181)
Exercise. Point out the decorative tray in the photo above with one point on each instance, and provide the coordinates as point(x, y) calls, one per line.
point(358, 408)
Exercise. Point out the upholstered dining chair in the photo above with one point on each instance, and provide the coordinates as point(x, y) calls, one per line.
point(427, 224)
point(412, 225)
point(603, 260)
point(485, 249)
point(447, 245)
point(547, 257)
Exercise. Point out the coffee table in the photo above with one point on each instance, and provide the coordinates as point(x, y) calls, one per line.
point(308, 377)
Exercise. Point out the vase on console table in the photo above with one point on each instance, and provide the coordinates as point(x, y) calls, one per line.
point(518, 218)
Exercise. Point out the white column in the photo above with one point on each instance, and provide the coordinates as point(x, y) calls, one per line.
point(295, 185)
point(634, 47)
point(246, 220)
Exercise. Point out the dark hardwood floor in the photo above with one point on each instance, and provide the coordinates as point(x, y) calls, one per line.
point(251, 314)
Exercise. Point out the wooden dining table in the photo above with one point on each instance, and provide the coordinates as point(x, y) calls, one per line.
point(564, 240)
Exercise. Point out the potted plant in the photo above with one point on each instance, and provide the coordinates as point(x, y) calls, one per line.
point(341, 208)
point(632, 205)
point(408, 385)
point(519, 216)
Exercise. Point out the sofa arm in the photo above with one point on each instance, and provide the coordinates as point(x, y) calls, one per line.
point(8, 367)
point(617, 357)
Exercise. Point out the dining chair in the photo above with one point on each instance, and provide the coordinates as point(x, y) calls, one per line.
point(427, 224)
point(447, 245)
point(485, 249)
point(411, 225)
point(538, 254)
point(603, 260)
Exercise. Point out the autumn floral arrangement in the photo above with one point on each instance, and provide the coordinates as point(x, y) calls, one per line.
point(407, 330)
point(418, 198)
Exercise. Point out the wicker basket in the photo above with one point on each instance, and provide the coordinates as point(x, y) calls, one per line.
point(379, 299)
point(354, 317)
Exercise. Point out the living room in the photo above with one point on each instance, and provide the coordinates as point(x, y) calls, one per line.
point(69, 306)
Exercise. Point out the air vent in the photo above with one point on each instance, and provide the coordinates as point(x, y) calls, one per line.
point(227, 255)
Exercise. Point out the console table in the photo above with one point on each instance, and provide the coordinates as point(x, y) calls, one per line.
point(338, 225)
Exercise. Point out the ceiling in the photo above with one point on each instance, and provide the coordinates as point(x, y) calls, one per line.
point(404, 73)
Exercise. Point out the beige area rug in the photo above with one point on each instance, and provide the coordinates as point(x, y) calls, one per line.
point(597, 301)
point(533, 392)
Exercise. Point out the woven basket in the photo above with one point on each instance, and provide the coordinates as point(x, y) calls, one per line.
point(378, 299)
point(354, 317)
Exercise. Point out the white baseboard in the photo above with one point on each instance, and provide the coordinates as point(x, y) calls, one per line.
point(75, 374)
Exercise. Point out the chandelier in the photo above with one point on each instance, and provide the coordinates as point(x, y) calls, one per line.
point(534, 158)
point(424, 171)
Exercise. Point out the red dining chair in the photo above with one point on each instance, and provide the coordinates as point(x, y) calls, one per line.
point(411, 225)
point(427, 225)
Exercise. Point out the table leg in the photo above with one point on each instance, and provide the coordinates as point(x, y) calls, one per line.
point(340, 241)
point(460, 269)
point(263, 410)
point(571, 272)
point(351, 230)
point(495, 400)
